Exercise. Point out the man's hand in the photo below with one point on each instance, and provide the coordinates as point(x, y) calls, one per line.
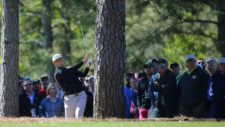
point(86, 58)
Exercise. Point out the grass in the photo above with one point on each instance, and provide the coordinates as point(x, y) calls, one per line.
point(114, 124)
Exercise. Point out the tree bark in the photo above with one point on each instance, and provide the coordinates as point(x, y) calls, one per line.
point(109, 51)
point(221, 27)
point(48, 36)
point(9, 100)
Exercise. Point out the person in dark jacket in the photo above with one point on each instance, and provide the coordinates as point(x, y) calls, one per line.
point(166, 87)
point(217, 107)
point(68, 78)
point(192, 89)
point(29, 100)
point(143, 95)
point(51, 106)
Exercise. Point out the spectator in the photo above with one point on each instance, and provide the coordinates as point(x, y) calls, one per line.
point(74, 95)
point(155, 65)
point(29, 100)
point(36, 85)
point(201, 62)
point(51, 106)
point(175, 68)
point(91, 84)
point(127, 94)
point(144, 97)
point(89, 89)
point(45, 83)
point(167, 90)
point(211, 65)
point(134, 107)
point(192, 89)
point(217, 107)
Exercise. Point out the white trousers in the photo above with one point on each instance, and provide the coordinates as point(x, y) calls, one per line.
point(75, 105)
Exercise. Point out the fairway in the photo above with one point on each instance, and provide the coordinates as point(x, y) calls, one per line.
point(115, 124)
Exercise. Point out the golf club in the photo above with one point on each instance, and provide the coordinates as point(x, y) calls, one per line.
point(89, 60)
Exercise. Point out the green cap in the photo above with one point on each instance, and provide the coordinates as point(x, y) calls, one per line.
point(149, 64)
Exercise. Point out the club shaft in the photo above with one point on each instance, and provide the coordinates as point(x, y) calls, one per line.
point(84, 39)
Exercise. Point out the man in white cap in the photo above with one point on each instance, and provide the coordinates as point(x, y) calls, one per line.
point(217, 107)
point(192, 88)
point(67, 77)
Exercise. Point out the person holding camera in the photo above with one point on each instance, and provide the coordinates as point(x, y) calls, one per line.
point(143, 95)
point(166, 87)
point(68, 78)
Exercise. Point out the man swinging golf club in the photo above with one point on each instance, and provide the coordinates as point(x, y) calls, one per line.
point(67, 77)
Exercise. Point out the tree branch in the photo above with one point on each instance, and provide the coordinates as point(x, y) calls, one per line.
point(200, 21)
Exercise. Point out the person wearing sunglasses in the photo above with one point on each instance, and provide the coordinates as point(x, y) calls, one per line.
point(217, 107)
point(166, 87)
point(29, 100)
point(192, 88)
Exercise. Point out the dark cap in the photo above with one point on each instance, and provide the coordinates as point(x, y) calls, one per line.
point(148, 64)
point(36, 81)
point(162, 60)
point(44, 77)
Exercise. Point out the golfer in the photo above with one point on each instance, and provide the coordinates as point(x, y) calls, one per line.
point(67, 77)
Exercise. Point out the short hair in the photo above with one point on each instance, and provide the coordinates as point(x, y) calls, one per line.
point(174, 65)
point(48, 88)
point(25, 81)
point(211, 57)
point(201, 59)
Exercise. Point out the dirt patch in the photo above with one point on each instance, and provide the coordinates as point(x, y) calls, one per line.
point(27, 119)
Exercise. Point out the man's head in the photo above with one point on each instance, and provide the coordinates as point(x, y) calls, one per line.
point(201, 62)
point(155, 65)
point(57, 59)
point(211, 64)
point(148, 68)
point(27, 86)
point(91, 82)
point(163, 65)
point(175, 68)
point(128, 77)
point(44, 81)
point(190, 61)
point(222, 64)
point(37, 84)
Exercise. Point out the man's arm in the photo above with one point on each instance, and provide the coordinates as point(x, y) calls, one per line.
point(83, 73)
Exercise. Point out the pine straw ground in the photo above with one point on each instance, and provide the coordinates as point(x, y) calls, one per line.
point(26, 119)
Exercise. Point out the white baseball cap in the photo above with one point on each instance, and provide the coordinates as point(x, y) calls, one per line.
point(221, 60)
point(190, 56)
point(56, 56)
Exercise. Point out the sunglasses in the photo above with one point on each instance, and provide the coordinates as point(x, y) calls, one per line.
point(211, 61)
point(190, 60)
point(201, 62)
point(162, 65)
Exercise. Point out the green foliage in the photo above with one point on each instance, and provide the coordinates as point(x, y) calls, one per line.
point(179, 46)
point(154, 29)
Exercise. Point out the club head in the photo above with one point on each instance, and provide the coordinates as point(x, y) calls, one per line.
point(78, 22)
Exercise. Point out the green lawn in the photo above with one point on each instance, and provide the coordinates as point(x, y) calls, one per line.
point(115, 124)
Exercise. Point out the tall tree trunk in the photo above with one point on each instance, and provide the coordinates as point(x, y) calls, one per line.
point(48, 37)
point(9, 100)
point(65, 47)
point(109, 58)
point(221, 27)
